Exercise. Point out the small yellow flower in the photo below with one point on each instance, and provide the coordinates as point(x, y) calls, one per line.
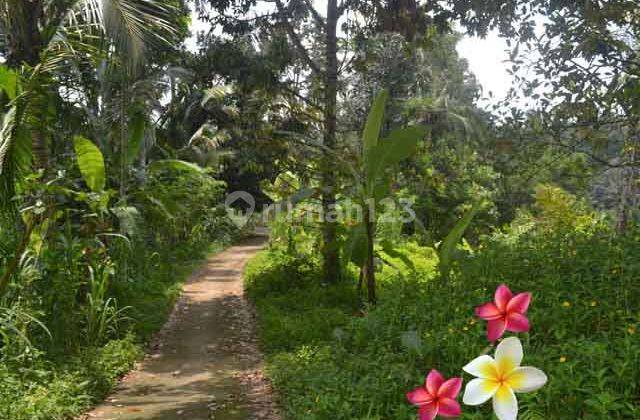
point(465, 328)
point(594, 303)
point(563, 359)
point(472, 322)
point(566, 304)
point(631, 330)
point(451, 330)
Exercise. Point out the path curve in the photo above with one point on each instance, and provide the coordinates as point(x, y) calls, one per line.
point(204, 364)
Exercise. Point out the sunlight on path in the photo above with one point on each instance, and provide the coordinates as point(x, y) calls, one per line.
point(204, 364)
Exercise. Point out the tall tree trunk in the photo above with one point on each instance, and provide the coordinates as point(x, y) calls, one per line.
point(39, 149)
point(330, 251)
point(627, 189)
point(24, 40)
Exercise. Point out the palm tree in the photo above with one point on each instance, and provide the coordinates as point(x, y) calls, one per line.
point(44, 39)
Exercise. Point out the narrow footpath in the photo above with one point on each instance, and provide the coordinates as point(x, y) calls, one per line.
point(205, 363)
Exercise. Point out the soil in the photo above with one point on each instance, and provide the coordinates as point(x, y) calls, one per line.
point(205, 363)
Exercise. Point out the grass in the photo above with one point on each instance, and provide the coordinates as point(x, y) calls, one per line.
point(60, 387)
point(329, 360)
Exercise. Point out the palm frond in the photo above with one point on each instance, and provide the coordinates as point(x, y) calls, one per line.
point(134, 24)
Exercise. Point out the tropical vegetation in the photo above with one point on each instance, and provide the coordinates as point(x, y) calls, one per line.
point(123, 131)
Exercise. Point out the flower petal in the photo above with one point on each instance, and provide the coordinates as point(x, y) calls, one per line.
point(482, 367)
point(428, 412)
point(448, 407)
point(502, 297)
point(488, 311)
point(496, 328)
point(419, 396)
point(505, 404)
point(517, 322)
point(479, 391)
point(450, 388)
point(519, 303)
point(527, 379)
point(433, 382)
point(508, 355)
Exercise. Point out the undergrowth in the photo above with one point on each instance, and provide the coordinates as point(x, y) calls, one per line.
point(329, 360)
point(79, 312)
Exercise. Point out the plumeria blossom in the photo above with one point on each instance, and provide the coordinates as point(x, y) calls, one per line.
point(506, 313)
point(501, 378)
point(437, 397)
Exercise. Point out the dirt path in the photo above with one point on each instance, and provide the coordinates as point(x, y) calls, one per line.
point(205, 363)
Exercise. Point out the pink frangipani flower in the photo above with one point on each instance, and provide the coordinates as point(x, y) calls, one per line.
point(437, 397)
point(506, 313)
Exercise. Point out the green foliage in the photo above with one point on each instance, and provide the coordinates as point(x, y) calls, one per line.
point(91, 163)
point(86, 297)
point(585, 318)
point(290, 299)
point(136, 137)
point(377, 157)
point(48, 391)
point(397, 146)
point(175, 164)
point(554, 208)
point(372, 127)
point(9, 82)
point(450, 242)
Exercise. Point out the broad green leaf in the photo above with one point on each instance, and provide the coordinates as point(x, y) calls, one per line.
point(6, 135)
point(175, 164)
point(356, 245)
point(91, 163)
point(399, 145)
point(448, 245)
point(9, 82)
point(138, 126)
point(381, 188)
point(372, 128)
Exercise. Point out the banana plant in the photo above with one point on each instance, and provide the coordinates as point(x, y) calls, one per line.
point(446, 251)
point(373, 183)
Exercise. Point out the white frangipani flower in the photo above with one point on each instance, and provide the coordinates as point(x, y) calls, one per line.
point(500, 378)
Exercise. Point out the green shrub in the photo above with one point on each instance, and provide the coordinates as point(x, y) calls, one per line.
point(48, 391)
point(90, 297)
point(585, 316)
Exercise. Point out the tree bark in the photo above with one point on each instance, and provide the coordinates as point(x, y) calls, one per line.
point(628, 181)
point(23, 36)
point(330, 252)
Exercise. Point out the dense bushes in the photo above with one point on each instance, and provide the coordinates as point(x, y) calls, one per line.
point(88, 295)
point(585, 316)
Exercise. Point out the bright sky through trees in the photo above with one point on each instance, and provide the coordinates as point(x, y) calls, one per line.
point(486, 60)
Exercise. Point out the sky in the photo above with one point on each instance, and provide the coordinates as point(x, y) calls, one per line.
point(486, 59)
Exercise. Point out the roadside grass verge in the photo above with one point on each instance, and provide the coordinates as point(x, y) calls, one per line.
point(329, 360)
